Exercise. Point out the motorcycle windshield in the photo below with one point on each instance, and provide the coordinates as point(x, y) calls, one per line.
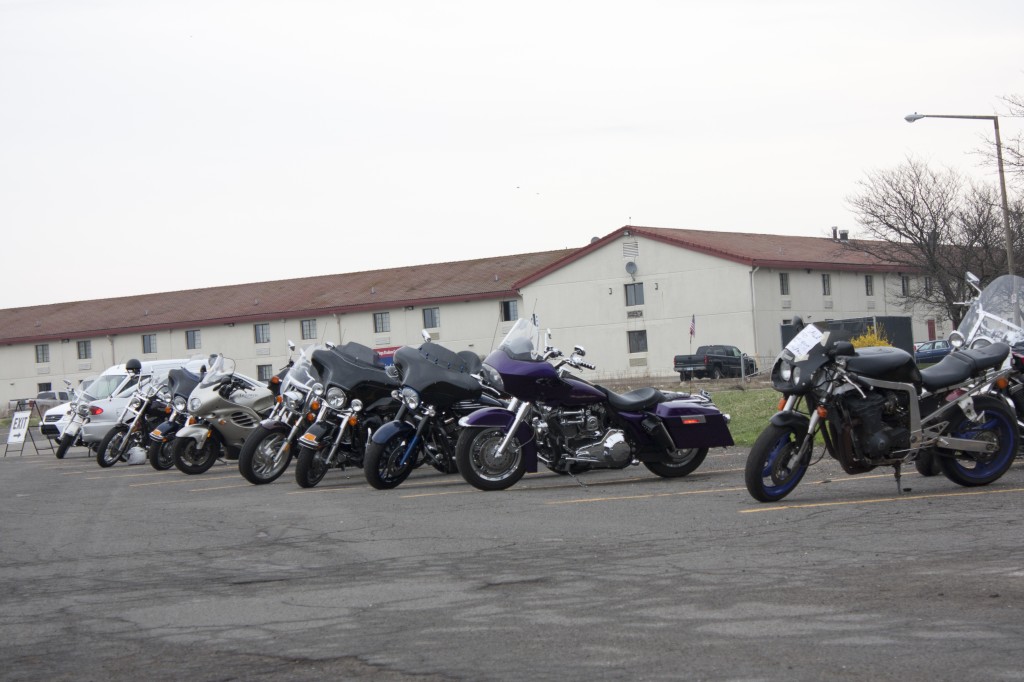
point(301, 374)
point(524, 341)
point(220, 368)
point(997, 314)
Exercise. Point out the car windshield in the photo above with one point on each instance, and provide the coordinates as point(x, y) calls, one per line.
point(104, 386)
point(220, 367)
point(997, 314)
point(525, 341)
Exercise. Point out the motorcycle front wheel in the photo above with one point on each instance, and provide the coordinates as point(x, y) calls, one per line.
point(109, 451)
point(775, 465)
point(476, 453)
point(996, 425)
point(310, 467)
point(684, 461)
point(386, 465)
point(260, 460)
point(192, 459)
point(66, 442)
point(161, 455)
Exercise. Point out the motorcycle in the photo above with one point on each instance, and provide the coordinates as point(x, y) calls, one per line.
point(356, 395)
point(128, 440)
point(874, 407)
point(438, 386)
point(573, 425)
point(268, 450)
point(227, 407)
point(180, 384)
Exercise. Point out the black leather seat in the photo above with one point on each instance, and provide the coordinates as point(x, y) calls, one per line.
point(634, 401)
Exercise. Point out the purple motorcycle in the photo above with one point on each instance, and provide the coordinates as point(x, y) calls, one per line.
point(572, 425)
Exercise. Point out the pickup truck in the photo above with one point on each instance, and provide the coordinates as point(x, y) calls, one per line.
point(714, 362)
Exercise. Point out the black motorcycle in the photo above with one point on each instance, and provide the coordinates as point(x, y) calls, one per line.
point(874, 407)
point(180, 384)
point(438, 387)
point(355, 398)
point(128, 440)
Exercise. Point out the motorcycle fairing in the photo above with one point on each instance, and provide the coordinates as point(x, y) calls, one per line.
point(496, 417)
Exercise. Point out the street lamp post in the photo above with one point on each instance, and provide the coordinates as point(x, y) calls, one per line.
point(910, 118)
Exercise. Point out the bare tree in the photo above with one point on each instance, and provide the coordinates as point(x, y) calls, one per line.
point(934, 226)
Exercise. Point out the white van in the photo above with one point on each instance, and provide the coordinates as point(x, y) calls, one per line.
point(101, 403)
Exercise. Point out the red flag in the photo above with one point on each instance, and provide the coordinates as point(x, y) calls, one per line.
point(693, 325)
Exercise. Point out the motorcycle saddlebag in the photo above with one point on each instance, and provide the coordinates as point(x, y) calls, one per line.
point(693, 425)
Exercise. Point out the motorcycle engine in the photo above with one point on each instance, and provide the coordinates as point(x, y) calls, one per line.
point(878, 424)
point(589, 439)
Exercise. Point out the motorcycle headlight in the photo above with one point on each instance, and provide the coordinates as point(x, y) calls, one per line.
point(336, 398)
point(179, 403)
point(135, 404)
point(194, 404)
point(492, 377)
point(796, 375)
point(786, 372)
point(294, 400)
point(82, 410)
point(411, 397)
point(357, 405)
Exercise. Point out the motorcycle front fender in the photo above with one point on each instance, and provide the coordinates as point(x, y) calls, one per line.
point(197, 432)
point(313, 437)
point(496, 417)
point(164, 432)
point(275, 426)
point(795, 420)
point(392, 429)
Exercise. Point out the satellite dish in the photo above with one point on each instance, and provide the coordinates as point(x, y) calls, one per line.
point(631, 267)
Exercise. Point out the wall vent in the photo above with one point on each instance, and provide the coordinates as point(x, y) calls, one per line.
point(634, 313)
point(786, 304)
point(828, 305)
point(630, 250)
point(638, 362)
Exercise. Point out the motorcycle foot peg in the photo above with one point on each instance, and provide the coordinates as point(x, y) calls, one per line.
point(655, 428)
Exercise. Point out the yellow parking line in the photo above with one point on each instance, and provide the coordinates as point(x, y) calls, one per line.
point(221, 487)
point(901, 498)
point(148, 474)
point(178, 480)
point(449, 492)
point(647, 496)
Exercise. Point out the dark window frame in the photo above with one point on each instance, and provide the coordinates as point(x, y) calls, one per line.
point(636, 341)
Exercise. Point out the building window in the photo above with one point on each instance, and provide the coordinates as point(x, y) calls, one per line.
point(927, 286)
point(84, 350)
point(308, 329)
point(826, 284)
point(431, 318)
point(509, 311)
point(381, 322)
point(149, 343)
point(635, 294)
point(264, 372)
point(192, 339)
point(261, 332)
point(43, 387)
point(43, 352)
point(784, 283)
point(637, 341)
point(905, 284)
point(869, 285)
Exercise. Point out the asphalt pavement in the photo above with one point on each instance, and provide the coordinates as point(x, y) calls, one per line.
point(129, 573)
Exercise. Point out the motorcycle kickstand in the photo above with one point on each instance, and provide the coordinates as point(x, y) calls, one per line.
point(575, 478)
point(898, 471)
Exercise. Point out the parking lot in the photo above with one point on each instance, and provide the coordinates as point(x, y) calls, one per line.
point(130, 573)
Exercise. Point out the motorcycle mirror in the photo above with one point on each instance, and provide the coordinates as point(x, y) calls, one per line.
point(580, 351)
point(972, 279)
point(425, 334)
point(798, 322)
point(291, 345)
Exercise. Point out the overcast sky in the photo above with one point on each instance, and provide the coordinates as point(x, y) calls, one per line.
point(151, 146)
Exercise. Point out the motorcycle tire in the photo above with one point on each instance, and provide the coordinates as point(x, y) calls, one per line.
point(310, 468)
point(774, 467)
point(108, 453)
point(478, 464)
point(382, 463)
point(66, 441)
point(998, 425)
point(684, 461)
point(192, 460)
point(258, 460)
point(161, 455)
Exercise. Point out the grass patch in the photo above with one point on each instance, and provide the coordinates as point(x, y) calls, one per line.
point(749, 409)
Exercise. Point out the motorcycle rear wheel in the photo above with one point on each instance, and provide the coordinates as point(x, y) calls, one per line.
point(774, 465)
point(997, 425)
point(109, 451)
point(684, 461)
point(258, 461)
point(161, 455)
point(479, 464)
point(382, 463)
point(310, 467)
point(191, 459)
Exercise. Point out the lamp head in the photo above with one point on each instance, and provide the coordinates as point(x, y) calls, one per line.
point(910, 118)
